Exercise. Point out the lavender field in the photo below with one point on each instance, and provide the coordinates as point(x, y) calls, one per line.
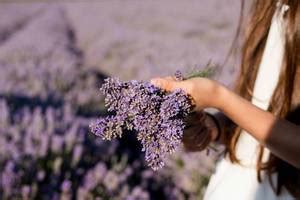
point(53, 60)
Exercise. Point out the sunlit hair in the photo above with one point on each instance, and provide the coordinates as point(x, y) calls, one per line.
point(284, 102)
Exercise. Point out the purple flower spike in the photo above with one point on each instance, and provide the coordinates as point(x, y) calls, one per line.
point(109, 127)
point(178, 75)
point(156, 115)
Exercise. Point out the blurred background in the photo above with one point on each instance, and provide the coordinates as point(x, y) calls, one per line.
point(53, 59)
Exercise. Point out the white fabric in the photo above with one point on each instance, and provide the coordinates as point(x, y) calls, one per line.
point(236, 182)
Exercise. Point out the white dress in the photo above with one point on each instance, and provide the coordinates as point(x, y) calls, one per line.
point(236, 182)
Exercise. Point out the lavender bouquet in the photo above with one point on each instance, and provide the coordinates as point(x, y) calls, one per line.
point(157, 116)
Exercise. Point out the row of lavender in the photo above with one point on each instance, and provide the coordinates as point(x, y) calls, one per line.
point(47, 99)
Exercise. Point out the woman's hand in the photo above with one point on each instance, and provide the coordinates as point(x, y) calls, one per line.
point(200, 128)
point(204, 91)
point(199, 132)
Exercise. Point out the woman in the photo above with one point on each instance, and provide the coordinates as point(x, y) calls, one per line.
point(259, 122)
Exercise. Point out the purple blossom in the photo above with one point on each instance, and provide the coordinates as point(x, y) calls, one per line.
point(178, 75)
point(44, 144)
point(77, 153)
point(138, 193)
point(111, 180)
point(100, 170)
point(57, 143)
point(66, 185)
point(108, 128)
point(41, 175)
point(175, 104)
point(156, 115)
point(89, 180)
point(8, 178)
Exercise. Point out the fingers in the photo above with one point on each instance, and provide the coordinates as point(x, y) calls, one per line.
point(164, 83)
point(168, 83)
point(170, 78)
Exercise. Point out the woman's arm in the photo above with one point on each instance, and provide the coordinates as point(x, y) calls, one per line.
point(280, 136)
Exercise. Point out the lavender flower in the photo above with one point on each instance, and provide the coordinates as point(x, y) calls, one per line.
point(66, 186)
point(111, 180)
point(138, 193)
point(178, 75)
point(57, 143)
point(111, 125)
point(77, 152)
point(8, 178)
point(156, 115)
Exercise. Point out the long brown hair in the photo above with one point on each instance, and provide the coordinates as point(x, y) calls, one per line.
point(256, 32)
